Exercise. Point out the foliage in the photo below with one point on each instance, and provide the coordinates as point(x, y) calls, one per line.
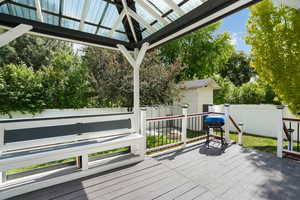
point(112, 78)
point(31, 50)
point(249, 93)
point(237, 69)
point(274, 34)
point(62, 85)
point(202, 52)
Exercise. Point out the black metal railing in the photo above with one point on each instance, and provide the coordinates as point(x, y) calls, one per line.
point(195, 126)
point(291, 127)
point(163, 131)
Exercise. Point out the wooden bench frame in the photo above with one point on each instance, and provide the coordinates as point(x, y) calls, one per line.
point(32, 152)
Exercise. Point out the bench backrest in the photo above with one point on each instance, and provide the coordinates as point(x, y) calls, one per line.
point(19, 134)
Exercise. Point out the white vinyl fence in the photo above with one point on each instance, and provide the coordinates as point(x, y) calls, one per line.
point(257, 119)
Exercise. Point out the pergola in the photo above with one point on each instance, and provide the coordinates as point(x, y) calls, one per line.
point(126, 25)
point(130, 26)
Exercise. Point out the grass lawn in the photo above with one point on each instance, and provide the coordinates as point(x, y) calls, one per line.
point(261, 143)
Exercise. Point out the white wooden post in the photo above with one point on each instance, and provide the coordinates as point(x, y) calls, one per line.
point(240, 137)
point(144, 129)
point(83, 162)
point(2, 174)
point(184, 125)
point(210, 110)
point(227, 121)
point(135, 62)
point(280, 131)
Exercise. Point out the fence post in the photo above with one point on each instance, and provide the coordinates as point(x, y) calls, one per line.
point(227, 121)
point(144, 130)
point(280, 131)
point(2, 174)
point(184, 124)
point(240, 138)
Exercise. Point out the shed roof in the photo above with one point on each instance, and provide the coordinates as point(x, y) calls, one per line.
point(108, 23)
point(199, 84)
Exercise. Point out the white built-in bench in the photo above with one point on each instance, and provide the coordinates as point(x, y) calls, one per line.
point(27, 142)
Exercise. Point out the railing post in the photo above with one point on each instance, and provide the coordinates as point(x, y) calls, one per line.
point(2, 174)
point(144, 129)
point(240, 137)
point(184, 124)
point(227, 121)
point(82, 162)
point(280, 131)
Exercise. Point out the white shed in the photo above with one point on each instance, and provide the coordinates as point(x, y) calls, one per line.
point(197, 92)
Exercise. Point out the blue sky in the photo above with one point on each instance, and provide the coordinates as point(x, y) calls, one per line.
point(236, 25)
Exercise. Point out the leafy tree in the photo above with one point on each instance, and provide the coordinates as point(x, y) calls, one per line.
point(31, 50)
point(248, 93)
point(237, 69)
point(112, 78)
point(202, 52)
point(62, 85)
point(274, 34)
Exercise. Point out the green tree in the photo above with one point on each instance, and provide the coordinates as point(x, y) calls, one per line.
point(274, 34)
point(62, 85)
point(112, 78)
point(202, 52)
point(237, 69)
point(31, 50)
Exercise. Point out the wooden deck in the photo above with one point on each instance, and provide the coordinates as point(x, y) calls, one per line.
point(192, 173)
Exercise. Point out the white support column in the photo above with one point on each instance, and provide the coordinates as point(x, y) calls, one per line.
point(84, 13)
point(279, 116)
point(144, 129)
point(227, 122)
point(184, 125)
point(135, 62)
point(39, 10)
point(2, 174)
point(14, 33)
point(240, 134)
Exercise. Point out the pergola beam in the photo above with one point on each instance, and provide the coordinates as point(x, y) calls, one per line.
point(14, 33)
point(39, 13)
point(140, 20)
point(152, 12)
point(116, 24)
point(174, 7)
point(125, 8)
point(84, 13)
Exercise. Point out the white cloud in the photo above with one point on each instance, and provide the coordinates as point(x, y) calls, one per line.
point(234, 39)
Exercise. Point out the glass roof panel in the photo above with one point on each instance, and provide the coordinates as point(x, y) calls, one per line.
point(71, 24)
point(96, 11)
point(23, 12)
point(50, 5)
point(51, 19)
point(73, 8)
point(102, 15)
point(190, 5)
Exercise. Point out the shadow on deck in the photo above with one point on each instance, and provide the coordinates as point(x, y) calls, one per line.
point(191, 173)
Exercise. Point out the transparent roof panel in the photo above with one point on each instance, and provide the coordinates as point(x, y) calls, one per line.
point(101, 18)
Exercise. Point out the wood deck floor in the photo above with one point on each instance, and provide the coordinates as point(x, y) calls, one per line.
point(192, 173)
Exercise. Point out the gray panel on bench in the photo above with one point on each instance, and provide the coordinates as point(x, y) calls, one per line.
point(64, 130)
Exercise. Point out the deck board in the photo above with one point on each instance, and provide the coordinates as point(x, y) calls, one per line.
point(191, 173)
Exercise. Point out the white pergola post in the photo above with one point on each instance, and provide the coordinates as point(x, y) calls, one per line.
point(135, 62)
point(14, 33)
point(227, 122)
point(280, 131)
